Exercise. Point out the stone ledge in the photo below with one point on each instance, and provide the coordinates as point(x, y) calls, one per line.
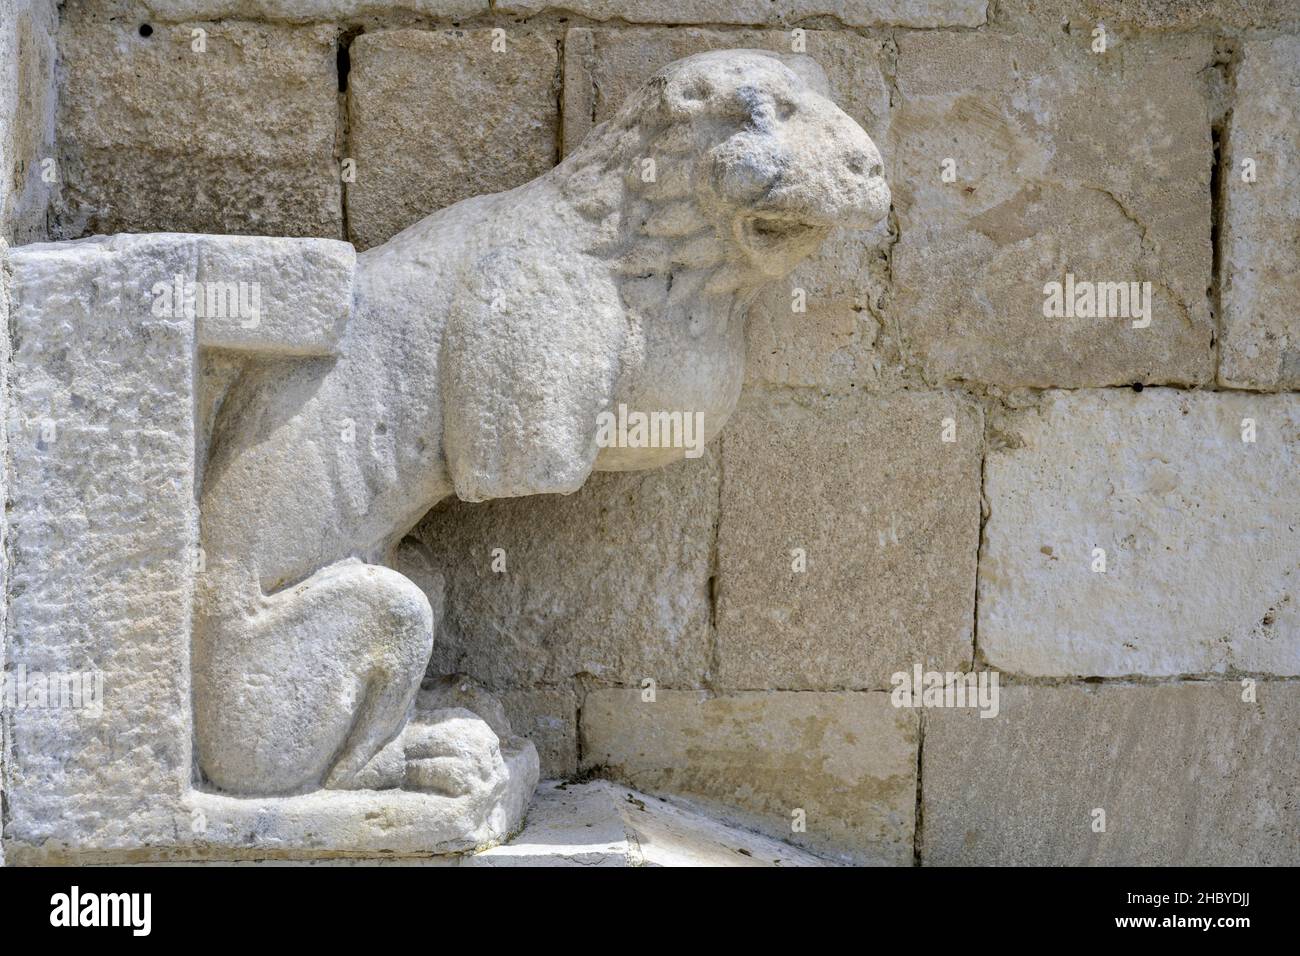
point(900, 13)
point(304, 286)
point(843, 762)
point(603, 824)
point(364, 821)
point(569, 824)
point(881, 13)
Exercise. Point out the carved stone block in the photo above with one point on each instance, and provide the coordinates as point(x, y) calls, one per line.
point(220, 445)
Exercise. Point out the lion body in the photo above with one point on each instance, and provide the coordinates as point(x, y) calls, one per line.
point(483, 343)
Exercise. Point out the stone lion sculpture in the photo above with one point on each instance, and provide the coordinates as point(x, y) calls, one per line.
point(484, 342)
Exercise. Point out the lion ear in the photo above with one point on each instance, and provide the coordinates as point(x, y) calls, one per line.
point(525, 372)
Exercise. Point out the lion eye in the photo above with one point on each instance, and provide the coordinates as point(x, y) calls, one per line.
point(700, 89)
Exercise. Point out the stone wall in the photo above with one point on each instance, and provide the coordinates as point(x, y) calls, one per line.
point(27, 98)
point(944, 460)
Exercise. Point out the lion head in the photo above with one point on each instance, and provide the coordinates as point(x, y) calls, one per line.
point(734, 161)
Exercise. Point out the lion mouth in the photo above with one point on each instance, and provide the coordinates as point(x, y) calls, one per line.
point(766, 233)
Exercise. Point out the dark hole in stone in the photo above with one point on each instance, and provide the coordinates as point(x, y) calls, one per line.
point(146, 30)
point(1137, 386)
point(344, 65)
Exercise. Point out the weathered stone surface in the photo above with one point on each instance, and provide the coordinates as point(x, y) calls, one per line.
point(548, 716)
point(364, 821)
point(612, 581)
point(887, 514)
point(103, 536)
point(1083, 15)
point(847, 759)
point(841, 342)
point(101, 539)
point(1260, 265)
point(27, 99)
point(603, 824)
point(301, 11)
point(903, 13)
point(268, 295)
point(604, 66)
point(1049, 183)
point(568, 825)
point(236, 139)
point(4, 517)
point(437, 117)
point(304, 293)
point(837, 342)
point(1187, 774)
point(595, 824)
point(1199, 529)
point(462, 691)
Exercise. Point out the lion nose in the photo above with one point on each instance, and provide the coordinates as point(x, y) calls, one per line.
point(859, 195)
point(869, 196)
point(860, 164)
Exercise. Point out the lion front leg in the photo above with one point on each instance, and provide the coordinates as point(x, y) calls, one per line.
point(304, 691)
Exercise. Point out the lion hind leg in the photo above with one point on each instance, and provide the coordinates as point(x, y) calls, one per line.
point(307, 690)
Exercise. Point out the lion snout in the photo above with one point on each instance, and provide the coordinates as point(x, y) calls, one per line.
point(819, 168)
point(870, 202)
point(842, 182)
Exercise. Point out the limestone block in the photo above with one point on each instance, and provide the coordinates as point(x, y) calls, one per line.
point(548, 716)
point(612, 581)
point(262, 294)
point(836, 339)
point(4, 517)
point(594, 824)
point(437, 117)
point(102, 539)
point(27, 99)
point(603, 824)
point(1260, 277)
point(103, 535)
point(300, 11)
point(304, 293)
point(236, 139)
point(839, 342)
point(604, 66)
point(903, 13)
point(1082, 16)
point(848, 760)
point(568, 825)
point(1198, 527)
point(363, 822)
point(887, 516)
point(1049, 184)
point(1186, 774)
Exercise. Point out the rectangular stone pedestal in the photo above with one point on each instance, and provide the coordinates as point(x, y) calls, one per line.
point(103, 550)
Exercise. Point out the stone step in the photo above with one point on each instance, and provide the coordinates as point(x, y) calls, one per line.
point(603, 824)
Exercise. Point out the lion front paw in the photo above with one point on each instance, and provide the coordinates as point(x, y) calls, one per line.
point(452, 752)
